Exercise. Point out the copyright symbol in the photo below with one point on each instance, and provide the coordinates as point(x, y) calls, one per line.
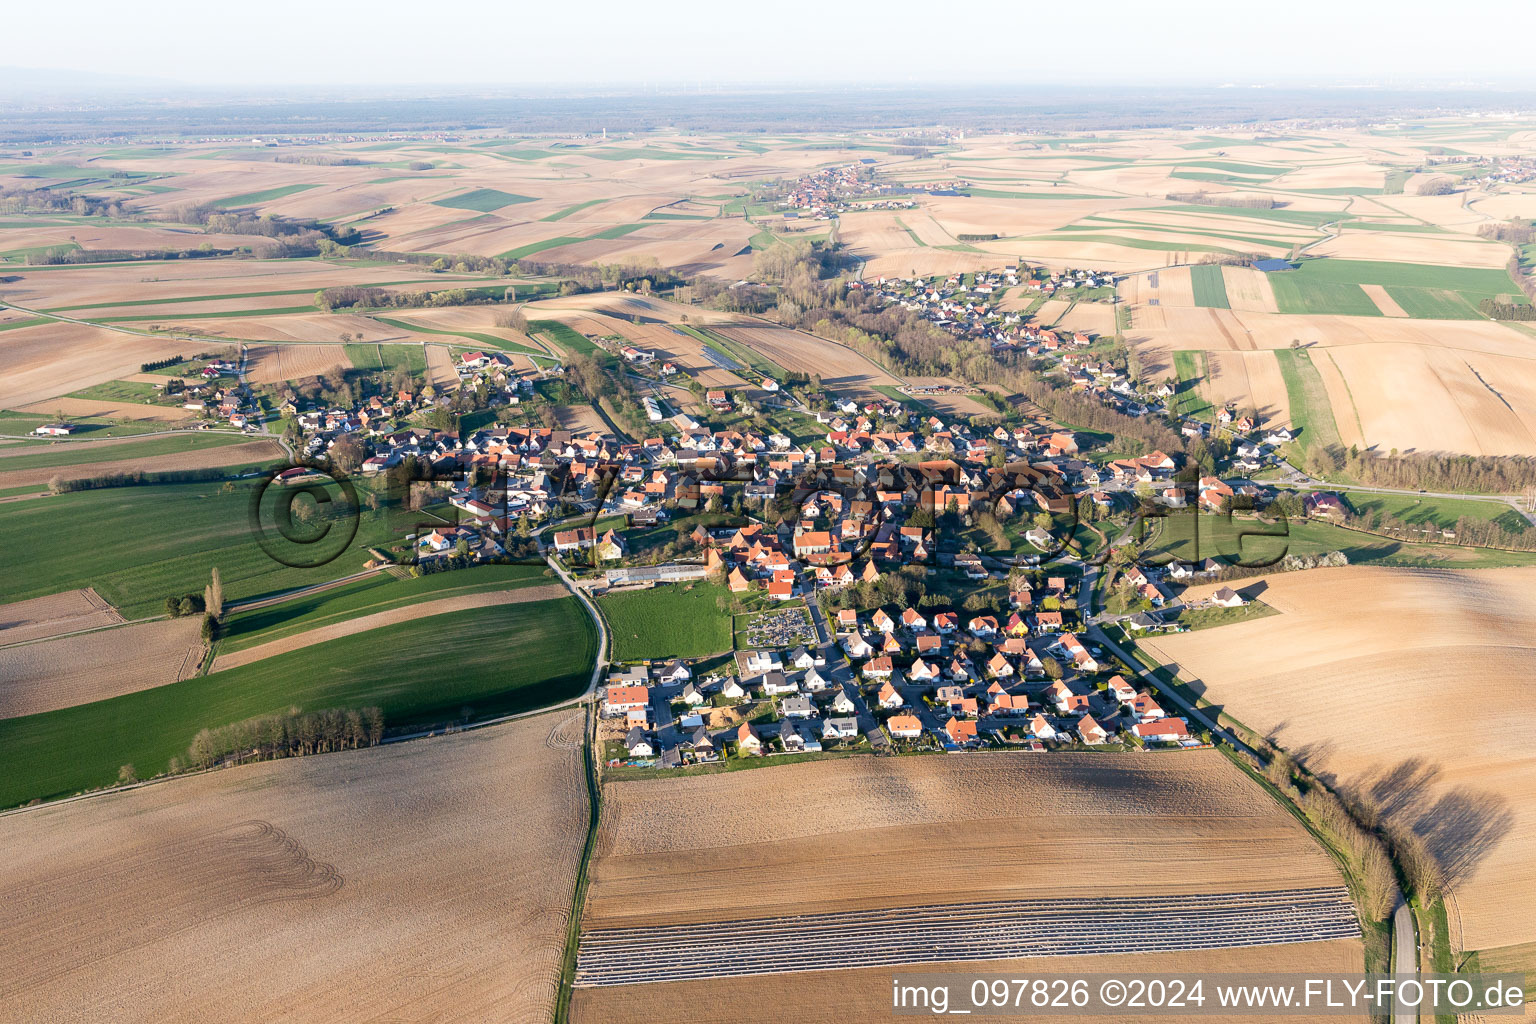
point(1112, 992)
point(304, 516)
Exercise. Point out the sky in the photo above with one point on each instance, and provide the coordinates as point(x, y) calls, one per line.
point(284, 44)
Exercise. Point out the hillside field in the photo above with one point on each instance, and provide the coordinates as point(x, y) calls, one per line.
point(435, 876)
point(1357, 676)
point(505, 659)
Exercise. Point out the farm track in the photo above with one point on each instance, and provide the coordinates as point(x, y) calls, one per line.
point(1000, 930)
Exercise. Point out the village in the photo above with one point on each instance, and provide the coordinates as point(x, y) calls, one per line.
point(1002, 528)
point(937, 572)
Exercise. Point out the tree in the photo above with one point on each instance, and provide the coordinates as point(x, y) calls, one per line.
point(126, 775)
point(347, 454)
point(1043, 521)
point(173, 606)
point(213, 595)
point(187, 607)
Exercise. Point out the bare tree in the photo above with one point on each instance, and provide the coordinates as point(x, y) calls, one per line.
point(213, 596)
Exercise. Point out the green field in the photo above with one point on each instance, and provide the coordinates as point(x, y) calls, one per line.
point(1189, 536)
point(1206, 618)
point(562, 214)
point(1189, 365)
point(1131, 243)
point(1311, 412)
point(174, 317)
point(89, 428)
point(483, 200)
point(1099, 223)
point(120, 391)
point(1434, 304)
point(265, 196)
point(1425, 291)
point(223, 297)
point(1421, 229)
point(70, 453)
point(1443, 512)
point(375, 593)
point(676, 620)
point(533, 248)
point(488, 340)
point(1295, 295)
point(386, 358)
point(504, 659)
point(29, 322)
point(566, 337)
point(163, 540)
point(1314, 537)
point(617, 231)
point(1308, 218)
point(1210, 287)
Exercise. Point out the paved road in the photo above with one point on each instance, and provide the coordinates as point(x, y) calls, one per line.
point(1404, 941)
point(1405, 957)
point(1098, 636)
point(840, 670)
point(1515, 502)
point(602, 627)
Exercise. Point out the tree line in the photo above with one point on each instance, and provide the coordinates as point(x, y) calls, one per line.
point(288, 734)
point(140, 478)
point(160, 364)
point(1519, 231)
point(1368, 856)
point(1480, 474)
point(1468, 531)
point(348, 296)
point(1506, 310)
point(1234, 202)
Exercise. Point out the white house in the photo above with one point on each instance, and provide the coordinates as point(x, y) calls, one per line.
point(797, 707)
point(1226, 597)
point(840, 728)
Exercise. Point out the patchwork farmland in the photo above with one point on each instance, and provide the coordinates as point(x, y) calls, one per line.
point(540, 354)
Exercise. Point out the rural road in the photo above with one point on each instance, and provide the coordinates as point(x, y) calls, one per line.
point(1405, 951)
point(1303, 480)
point(1405, 948)
point(602, 627)
point(1098, 636)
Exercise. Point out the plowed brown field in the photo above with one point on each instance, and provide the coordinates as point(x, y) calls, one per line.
point(1410, 688)
point(900, 832)
point(429, 880)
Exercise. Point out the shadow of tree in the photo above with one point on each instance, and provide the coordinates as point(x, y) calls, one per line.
point(1460, 827)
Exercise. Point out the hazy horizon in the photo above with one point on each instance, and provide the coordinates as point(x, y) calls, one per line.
point(475, 44)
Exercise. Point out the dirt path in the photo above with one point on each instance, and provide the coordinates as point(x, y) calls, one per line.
point(364, 623)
